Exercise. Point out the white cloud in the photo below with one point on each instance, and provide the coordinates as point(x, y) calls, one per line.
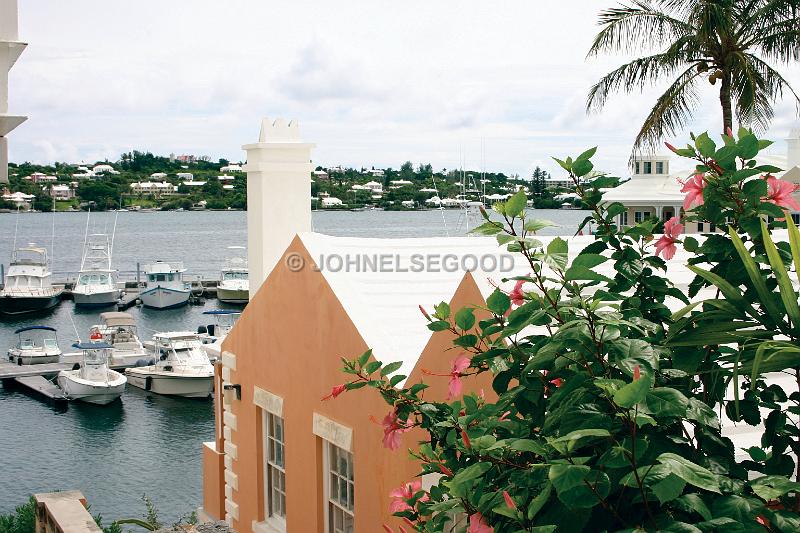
point(372, 82)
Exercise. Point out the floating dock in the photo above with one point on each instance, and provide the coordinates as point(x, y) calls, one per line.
point(43, 387)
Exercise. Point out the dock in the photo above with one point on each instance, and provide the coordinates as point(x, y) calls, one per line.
point(43, 387)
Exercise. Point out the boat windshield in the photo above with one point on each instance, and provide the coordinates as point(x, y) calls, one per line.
point(95, 357)
point(234, 275)
point(94, 279)
point(50, 343)
point(163, 277)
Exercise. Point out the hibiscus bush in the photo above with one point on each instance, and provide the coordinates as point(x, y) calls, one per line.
point(605, 412)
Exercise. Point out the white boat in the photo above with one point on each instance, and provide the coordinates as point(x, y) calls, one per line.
point(164, 286)
point(35, 345)
point(234, 285)
point(181, 367)
point(27, 286)
point(214, 334)
point(96, 285)
point(92, 381)
point(119, 330)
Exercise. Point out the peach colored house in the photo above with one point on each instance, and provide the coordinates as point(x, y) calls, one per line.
point(286, 461)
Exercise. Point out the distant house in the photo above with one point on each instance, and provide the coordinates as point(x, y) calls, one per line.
point(231, 168)
point(331, 201)
point(400, 183)
point(104, 169)
point(376, 172)
point(558, 183)
point(154, 188)
point(408, 203)
point(321, 175)
point(228, 187)
point(158, 175)
point(62, 192)
point(374, 186)
point(225, 177)
point(39, 177)
point(19, 199)
point(194, 184)
point(187, 176)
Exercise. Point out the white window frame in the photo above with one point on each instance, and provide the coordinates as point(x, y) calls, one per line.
point(660, 167)
point(624, 218)
point(647, 167)
point(271, 467)
point(328, 473)
point(638, 217)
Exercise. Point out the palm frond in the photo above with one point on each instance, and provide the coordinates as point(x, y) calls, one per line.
point(634, 75)
point(756, 86)
point(780, 42)
point(671, 112)
point(635, 27)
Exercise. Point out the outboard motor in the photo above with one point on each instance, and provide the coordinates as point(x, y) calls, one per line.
point(202, 329)
point(211, 328)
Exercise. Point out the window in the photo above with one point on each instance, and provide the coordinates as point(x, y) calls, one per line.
point(648, 167)
point(274, 468)
point(701, 227)
point(638, 167)
point(659, 167)
point(625, 218)
point(712, 227)
point(339, 466)
point(638, 217)
point(796, 218)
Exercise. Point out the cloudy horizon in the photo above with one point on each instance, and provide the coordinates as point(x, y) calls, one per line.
point(372, 83)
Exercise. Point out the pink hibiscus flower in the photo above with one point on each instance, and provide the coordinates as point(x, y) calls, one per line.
point(693, 187)
point(779, 192)
point(665, 246)
point(336, 391)
point(516, 295)
point(477, 524)
point(406, 492)
point(454, 386)
point(393, 429)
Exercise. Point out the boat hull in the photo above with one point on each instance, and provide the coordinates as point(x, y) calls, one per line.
point(233, 296)
point(163, 298)
point(159, 383)
point(19, 305)
point(32, 359)
point(98, 394)
point(95, 299)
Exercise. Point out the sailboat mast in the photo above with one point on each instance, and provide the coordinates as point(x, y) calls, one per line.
point(85, 238)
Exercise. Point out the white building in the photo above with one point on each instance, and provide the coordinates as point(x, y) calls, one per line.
point(320, 174)
point(62, 192)
point(230, 168)
point(331, 201)
point(19, 199)
point(158, 175)
point(40, 177)
point(376, 172)
point(10, 50)
point(162, 188)
point(187, 176)
point(104, 169)
point(225, 177)
point(194, 184)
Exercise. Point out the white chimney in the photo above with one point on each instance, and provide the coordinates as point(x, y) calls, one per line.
point(278, 195)
point(793, 149)
point(10, 49)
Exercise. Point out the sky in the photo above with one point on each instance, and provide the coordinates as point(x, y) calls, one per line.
point(494, 85)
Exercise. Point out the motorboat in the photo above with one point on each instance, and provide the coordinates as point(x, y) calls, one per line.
point(96, 285)
point(27, 285)
point(164, 286)
point(181, 367)
point(35, 345)
point(214, 334)
point(92, 381)
point(119, 330)
point(234, 285)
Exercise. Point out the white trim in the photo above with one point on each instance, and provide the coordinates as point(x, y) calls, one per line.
point(326, 482)
point(333, 432)
point(271, 403)
point(229, 360)
point(229, 419)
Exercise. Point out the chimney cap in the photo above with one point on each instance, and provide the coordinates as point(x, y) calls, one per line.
point(279, 131)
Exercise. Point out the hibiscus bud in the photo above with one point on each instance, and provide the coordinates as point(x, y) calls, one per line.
point(387, 529)
point(557, 382)
point(446, 471)
point(509, 502)
point(672, 148)
point(425, 313)
point(637, 373)
point(729, 131)
point(465, 438)
point(336, 391)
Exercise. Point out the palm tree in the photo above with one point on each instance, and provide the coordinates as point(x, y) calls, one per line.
point(729, 42)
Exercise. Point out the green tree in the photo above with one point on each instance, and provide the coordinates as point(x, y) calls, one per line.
point(407, 171)
point(538, 184)
point(726, 42)
point(103, 194)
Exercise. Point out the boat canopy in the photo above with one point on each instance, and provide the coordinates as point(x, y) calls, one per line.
point(116, 318)
point(29, 328)
point(92, 345)
point(222, 312)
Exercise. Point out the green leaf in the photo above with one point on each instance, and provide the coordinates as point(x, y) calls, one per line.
point(538, 502)
point(516, 204)
point(372, 367)
point(794, 244)
point(364, 357)
point(694, 503)
point(460, 483)
point(588, 154)
point(581, 167)
point(764, 294)
point(465, 318)
point(748, 146)
point(668, 488)
point(569, 442)
point(535, 224)
point(788, 296)
point(556, 255)
point(589, 260)
point(773, 487)
point(634, 392)
point(705, 145)
point(442, 311)
point(498, 302)
point(665, 401)
point(690, 472)
point(391, 367)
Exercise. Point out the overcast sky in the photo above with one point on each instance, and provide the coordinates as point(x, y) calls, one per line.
point(372, 82)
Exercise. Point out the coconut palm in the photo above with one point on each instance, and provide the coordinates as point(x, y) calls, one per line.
point(727, 43)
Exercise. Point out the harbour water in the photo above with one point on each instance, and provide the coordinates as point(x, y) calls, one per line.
point(147, 444)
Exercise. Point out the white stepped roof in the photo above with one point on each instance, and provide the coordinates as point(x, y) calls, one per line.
point(645, 189)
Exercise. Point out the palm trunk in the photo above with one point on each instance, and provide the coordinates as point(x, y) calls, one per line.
point(725, 101)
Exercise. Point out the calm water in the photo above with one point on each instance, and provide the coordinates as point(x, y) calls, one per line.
point(146, 443)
